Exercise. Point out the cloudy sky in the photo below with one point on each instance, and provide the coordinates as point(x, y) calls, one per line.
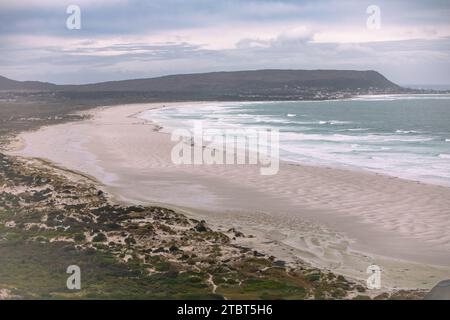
point(123, 39)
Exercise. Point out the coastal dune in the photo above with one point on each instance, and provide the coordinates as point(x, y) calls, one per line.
point(333, 218)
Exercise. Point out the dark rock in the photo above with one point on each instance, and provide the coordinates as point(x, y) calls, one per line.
point(258, 254)
point(236, 232)
point(100, 237)
point(279, 263)
point(201, 227)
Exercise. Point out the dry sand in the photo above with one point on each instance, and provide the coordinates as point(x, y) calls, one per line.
point(336, 219)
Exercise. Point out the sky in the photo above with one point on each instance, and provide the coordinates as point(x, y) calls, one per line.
point(125, 39)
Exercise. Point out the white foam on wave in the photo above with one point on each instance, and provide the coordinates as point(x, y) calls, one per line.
point(407, 131)
point(343, 138)
point(275, 120)
point(189, 109)
point(333, 122)
point(356, 129)
point(418, 139)
point(270, 120)
point(393, 97)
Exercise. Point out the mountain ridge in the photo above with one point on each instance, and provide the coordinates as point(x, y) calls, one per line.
point(223, 81)
point(9, 84)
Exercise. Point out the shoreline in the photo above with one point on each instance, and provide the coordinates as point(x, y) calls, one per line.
point(310, 230)
point(168, 124)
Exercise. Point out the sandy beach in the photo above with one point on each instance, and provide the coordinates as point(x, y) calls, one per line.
point(336, 219)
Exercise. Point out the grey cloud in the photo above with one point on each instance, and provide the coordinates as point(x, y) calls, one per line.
point(88, 61)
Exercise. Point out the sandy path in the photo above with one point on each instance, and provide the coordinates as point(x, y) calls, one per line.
point(338, 219)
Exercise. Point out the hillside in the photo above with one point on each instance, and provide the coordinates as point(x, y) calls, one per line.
point(238, 84)
point(8, 84)
point(243, 81)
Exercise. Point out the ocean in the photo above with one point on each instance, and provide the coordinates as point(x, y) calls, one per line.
point(406, 136)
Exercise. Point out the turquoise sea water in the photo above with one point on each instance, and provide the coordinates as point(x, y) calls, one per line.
point(406, 136)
